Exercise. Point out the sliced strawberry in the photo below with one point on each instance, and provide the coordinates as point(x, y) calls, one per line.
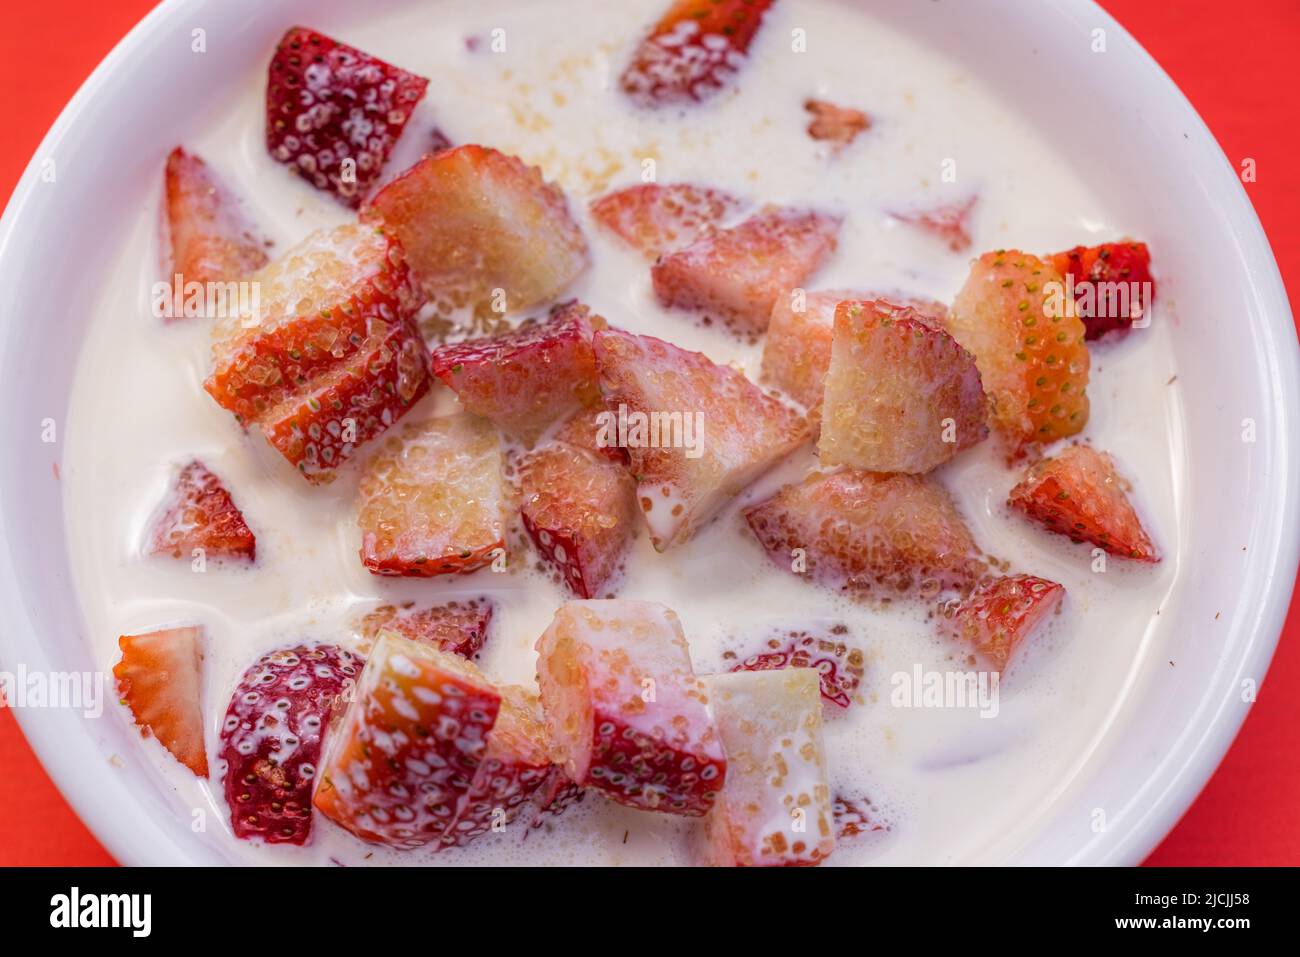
point(432, 500)
point(695, 50)
point(271, 738)
point(319, 429)
point(657, 219)
point(737, 275)
point(838, 666)
point(1080, 493)
point(1032, 357)
point(402, 762)
point(199, 514)
point(458, 628)
point(483, 229)
point(738, 433)
point(626, 713)
point(839, 125)
point(1112, 284)
point(951, 222)
point(775, 807)
point(1001, 613)
point(555, 796)
point(901, 394)
point(594, 430)
point(333, 112)
point(211, 240)
point(855, 816)
point(526, 380)
point(868, 533)
point(158, 678)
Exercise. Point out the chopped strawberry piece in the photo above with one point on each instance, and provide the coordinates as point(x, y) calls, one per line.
point(838, 666)
point(483, 229)
point(625, 711)
point(728, 432)
point(319, 429)
point(199, 514)
point(579, 509)
point(951, 223)
point(333, 112)
point(901, 394)
point(403, 760)
point(737, 275)
point(555, 796)
point(695, 50)
point(658, 219)
point(1001, 613)
point(840, 125)
point(1080, 493)
point(433, 500)
point(868, 533)
point(158, 678)
point(210, 238)
point(1032, 357)
point(594, 430)
point(526, 380)
point(775, 807)
point(855, 816)
point(1112, 284)
point(458, 628)
point(271, 738)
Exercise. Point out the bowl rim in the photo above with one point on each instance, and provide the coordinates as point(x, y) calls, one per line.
point(1178, 783)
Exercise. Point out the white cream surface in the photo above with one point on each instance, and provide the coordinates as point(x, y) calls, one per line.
point(954, 787)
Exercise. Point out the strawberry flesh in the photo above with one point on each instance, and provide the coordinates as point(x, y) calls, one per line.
point(1001, 613)
point(458, 628)
point(838, 666)
point(159, 680)
point(950, 223)
point(838, 125)
point(656, 219)
point(1104, 278)
point(200, 514)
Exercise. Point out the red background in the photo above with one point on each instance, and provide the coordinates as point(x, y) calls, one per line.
point(1234, 62)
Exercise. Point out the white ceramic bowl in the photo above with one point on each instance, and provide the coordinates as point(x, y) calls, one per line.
point(1127, 123)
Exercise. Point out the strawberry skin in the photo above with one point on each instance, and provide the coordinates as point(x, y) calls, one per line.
point(328, 104)
point(210, 239)
point(432, 500)
point(838, 125)
point(839, 667)
point(695, 50)
point(458, 628)
point(199, 514)
point(868, 534)
point(656, 219)
point(626, 713)
point(745, 432)
point(1001, 613)
point(528, 379)
point(896, 383)
point(1079, 493)
point(737, 275)
point(950, 223)
point(159, 680)
point(271, 738)
point(1094, 268)
point(854, 816)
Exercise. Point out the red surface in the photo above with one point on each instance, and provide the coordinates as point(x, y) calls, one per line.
point(1235, 65)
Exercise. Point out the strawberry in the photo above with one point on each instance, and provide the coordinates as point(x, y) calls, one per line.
point(459, 628)
point(901, 394)
point(402, 761)
point(1079, 493)
point(318, 429)
point(1001, 613)
point(158, 679)
point(432, 500)
point(1032, 357)
point(695, 50)
point(950, 223)
point(555, 796)
point(775, 806)
point(738, 433)
point(657, 219)
point(199, 514)
point(737, 275)
point(209, 237)
point(1112, 284)
point(320, 303)
point(855, 816)
point(528, 379)
point(838, 666)
point(271, 738)
point(333, 112)
point(867, 533)
point(626, 714)
point(594, 430)
point(839, 125)
point(579, 509)
point(482, 229)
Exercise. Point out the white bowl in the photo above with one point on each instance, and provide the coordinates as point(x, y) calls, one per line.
point(1235, 345)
